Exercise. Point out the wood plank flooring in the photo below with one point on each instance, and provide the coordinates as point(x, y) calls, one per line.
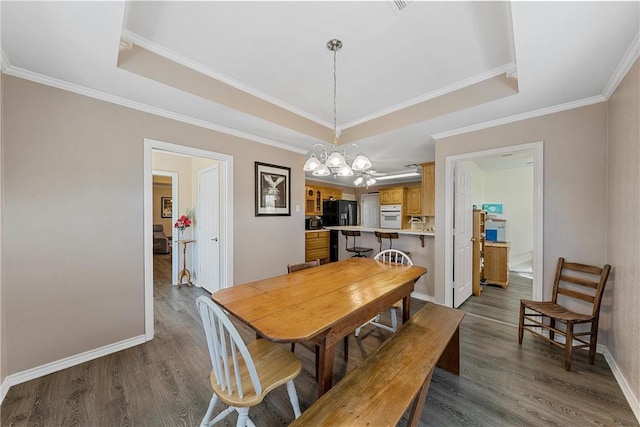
point(501, 304)
point(165, 382)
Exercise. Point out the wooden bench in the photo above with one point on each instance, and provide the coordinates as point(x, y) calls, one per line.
point(398, 373)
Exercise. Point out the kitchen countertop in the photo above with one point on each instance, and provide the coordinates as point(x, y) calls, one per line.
point(406, 231)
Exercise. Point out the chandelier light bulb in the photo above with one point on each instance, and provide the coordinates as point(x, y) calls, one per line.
point(361, 163)
point(312, 163)
point(322, 171)
point(335, 160)
point(345, 170)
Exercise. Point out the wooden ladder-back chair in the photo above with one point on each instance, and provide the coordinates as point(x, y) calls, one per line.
point(242, 374)
point(572, 281)
point(391, 256)
point(307, 344)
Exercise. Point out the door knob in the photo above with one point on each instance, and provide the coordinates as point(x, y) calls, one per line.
point(215, 239)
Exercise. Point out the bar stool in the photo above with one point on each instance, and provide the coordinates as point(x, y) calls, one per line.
point(357, 250)
point(391, 235)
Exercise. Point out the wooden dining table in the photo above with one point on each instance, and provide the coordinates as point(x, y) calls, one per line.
point(322, 304)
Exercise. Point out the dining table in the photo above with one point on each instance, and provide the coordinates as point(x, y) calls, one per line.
point(321, 304)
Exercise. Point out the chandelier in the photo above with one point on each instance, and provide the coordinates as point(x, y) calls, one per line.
point(322, 162)
point(365, 179)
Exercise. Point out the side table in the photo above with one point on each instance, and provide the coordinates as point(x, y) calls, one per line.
point(184, 272)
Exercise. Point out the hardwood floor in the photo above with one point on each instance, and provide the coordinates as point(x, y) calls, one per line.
point(501, 304)
point(165, 382)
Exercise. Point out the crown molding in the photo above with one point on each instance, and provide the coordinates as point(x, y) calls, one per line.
point(626, 63)
point(623, 68)
point(519, 117)
point(92, 93)
point(201, 68)
point(509, 69)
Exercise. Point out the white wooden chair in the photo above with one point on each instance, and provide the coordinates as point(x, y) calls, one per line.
point(242, 374)
point(391, 256)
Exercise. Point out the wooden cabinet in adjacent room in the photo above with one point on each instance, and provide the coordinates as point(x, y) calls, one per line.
point(479, 218)
point(496, 263)
point(317, 245)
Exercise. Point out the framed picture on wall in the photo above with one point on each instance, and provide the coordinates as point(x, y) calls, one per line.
point(273, 190)
point(166, 207)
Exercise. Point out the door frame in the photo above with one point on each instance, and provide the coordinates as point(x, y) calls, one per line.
point(226, 220)
point(538, 212)
point(174, 218)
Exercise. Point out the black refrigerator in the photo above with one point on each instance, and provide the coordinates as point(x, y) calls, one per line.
point(338, 212)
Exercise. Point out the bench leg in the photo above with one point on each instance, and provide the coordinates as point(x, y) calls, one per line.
point(418, 404)
point(450, 359)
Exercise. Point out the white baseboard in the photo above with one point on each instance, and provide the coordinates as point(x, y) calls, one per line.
point(423, 297)
point(634, 401)
point(40, 371)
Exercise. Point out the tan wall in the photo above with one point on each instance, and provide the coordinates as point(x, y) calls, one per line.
point(621, 317)
point(575, 175)
point(86, 272)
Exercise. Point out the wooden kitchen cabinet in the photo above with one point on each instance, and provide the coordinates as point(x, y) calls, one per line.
point(496, 263)
point(429, 189)
point(479, 218)
point(328, 193)
point(309, 200)
point(317, 246)
point(414, 201)
point(313, 197)
point(392, 196)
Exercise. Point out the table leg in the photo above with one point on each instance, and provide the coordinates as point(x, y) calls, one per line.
point(406, 307)
point(325, 362)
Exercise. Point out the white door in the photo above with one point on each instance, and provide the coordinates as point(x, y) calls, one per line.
point(208, 222)
point(463, 232)
point(370, 216)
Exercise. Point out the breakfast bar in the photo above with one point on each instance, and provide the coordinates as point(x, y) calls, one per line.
point(419, 243)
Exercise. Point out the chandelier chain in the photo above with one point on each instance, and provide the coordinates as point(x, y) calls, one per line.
point(335, 84)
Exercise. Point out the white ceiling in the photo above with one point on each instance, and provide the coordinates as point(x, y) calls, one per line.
point(561, 52)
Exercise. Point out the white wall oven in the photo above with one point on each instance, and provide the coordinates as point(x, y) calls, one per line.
point(391, 216)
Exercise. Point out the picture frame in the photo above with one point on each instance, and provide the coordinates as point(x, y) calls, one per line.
point(273, 190)
point(166, 207)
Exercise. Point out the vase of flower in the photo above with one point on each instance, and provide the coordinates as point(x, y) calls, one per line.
point(183, 222)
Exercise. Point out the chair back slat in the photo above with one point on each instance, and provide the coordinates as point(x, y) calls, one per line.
point(575, 294)
point(583, 268)
point(579, 281)
point(226, 349)
point(393, 256)
point(573, 280)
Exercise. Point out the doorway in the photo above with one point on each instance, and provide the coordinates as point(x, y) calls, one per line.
point(225, 220)
point(173, 177)
point(450, 165)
